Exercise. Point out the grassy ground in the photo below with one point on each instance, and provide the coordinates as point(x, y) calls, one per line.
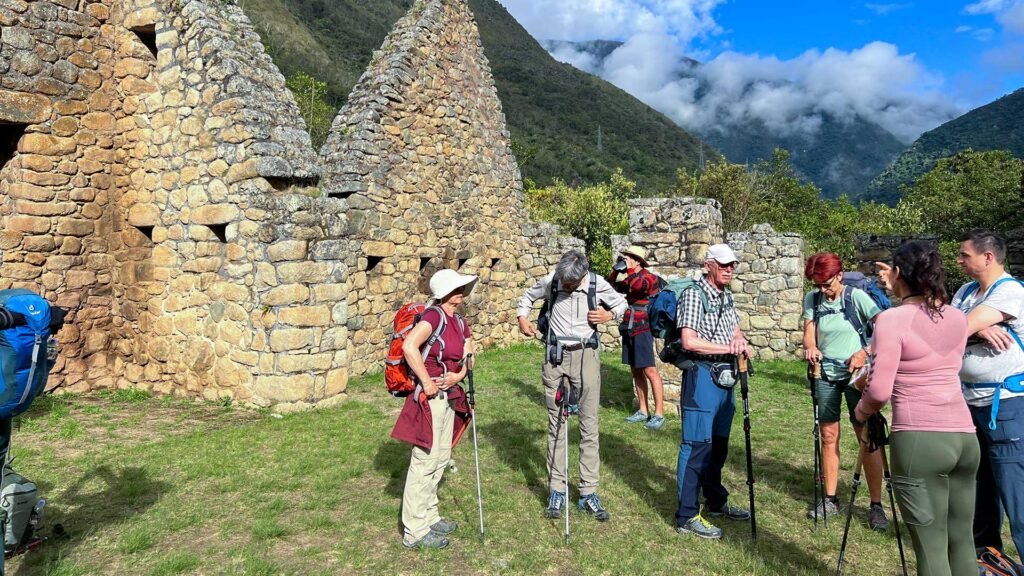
point(158, 487)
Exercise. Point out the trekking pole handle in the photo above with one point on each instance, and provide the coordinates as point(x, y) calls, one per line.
point(469, 375)
point(744, 365)
point(816, 370)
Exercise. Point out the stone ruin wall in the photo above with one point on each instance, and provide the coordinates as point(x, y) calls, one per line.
point(158, 181)
point(767, 285)
point(421, 156)
point(162, 159)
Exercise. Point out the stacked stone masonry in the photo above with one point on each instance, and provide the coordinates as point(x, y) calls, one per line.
point(157, 180)
point(767, 285)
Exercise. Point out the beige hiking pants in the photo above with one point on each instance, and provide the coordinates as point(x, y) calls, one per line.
point(583, 367)
point(419, 501)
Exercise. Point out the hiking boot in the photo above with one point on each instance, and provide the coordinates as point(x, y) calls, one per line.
point(555, 502)
point(444, 527)
point(637, 416)
point(655, 423)
point(431, 540)
point(592, 505)
point(828, 506)
point(700, 528)
point(876, 518)
point(730, 512)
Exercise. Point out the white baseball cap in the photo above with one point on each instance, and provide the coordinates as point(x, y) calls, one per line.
point(446, 281)
point(722, 254)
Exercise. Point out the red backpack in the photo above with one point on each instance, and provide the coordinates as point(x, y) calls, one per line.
point(399, 379)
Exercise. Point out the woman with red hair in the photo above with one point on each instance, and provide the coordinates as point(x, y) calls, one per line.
point(833, 343)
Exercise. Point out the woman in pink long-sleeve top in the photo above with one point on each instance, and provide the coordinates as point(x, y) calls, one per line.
point(916, 355)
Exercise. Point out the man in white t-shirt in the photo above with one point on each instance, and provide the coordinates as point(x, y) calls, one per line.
point(994, 304)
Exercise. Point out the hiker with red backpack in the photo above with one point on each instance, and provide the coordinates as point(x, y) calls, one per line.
point(576, 301)
point(993, 385)
point(837, 321)
point(630, 277)
point(436, 412)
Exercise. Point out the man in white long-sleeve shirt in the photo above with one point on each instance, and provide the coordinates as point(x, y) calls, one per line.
point(578, 300)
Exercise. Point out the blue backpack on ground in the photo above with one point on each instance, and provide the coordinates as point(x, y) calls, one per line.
point(851, 281)
point(662, 309)
point(24, 358)
point(1013, 383)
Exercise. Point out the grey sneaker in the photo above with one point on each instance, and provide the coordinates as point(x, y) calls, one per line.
point(700, 528)
point(555, 502)
point(637, 416)
point(431, 540)
point(730, 512)
point(827, 506)
point(877, 520)
point(655, 423)
point(591, 504)
point(444, 527)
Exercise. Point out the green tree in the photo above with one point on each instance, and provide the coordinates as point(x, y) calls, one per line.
point(310, 94)
point(591, 213)
point(970, 190)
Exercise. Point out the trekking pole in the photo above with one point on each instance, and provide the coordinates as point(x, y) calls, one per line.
point(744, 371)
point(565, 414)
point(849, 514)
point(892, 504)
point(813, 375)
point(476, 449)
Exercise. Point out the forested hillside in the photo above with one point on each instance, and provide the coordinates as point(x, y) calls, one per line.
point(995, 126)
point(565, 124)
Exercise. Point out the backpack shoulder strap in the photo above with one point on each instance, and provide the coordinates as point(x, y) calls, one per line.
point(971, 288)
point(850, 313)
point(435, 336)
point(592, 292)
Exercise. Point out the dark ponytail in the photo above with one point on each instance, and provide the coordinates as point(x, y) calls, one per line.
point(921, 268)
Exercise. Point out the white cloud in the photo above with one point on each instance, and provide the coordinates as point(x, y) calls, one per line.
point(875, 82)
point(987, 7)
point(884, 9)
point(614, 19)
point(962, 29)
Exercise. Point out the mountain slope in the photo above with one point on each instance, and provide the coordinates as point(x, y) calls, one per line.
point(998, 125)
point(840, 156)
point(554, 112)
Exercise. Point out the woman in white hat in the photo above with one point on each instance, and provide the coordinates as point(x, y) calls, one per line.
point(436, 414)
point(631, 277)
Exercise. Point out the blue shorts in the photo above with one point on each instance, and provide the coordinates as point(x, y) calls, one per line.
point(638, 349)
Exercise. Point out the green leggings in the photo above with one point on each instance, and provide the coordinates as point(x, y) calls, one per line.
point(933, 476)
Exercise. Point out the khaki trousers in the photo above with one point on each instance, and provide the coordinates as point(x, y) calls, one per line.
point(583, 368)
point(419, 501)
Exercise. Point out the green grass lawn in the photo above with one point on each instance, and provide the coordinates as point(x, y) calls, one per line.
point(161, 486)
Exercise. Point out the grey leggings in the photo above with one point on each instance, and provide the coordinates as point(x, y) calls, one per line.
point(933, 476)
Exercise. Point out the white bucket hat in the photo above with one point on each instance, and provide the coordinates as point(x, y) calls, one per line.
point(446, 281)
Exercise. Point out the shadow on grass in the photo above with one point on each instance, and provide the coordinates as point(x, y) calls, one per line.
point(521, 449)
point(778, 554)
point(653, 483)
point(532, 391)
point(83, 510)
point(392, 462)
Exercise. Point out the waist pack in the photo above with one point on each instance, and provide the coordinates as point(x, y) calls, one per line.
point(27, 353)
point(20, 508)
point(992, 562)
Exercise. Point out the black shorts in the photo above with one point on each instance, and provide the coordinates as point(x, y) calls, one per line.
point(638, 349)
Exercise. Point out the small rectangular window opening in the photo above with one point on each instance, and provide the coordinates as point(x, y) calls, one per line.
point(147, 231)
point(219, 230)
point(424, 260)
point(495, 262)
point(462, 262)
point(9, 136)
point(147, 35)
point(372, 261)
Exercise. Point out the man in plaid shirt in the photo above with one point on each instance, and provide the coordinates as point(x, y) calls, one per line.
point(711, 338)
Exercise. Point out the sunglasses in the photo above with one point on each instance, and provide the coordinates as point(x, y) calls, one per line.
point(828, 283)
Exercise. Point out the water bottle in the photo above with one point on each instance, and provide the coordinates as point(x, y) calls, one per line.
point(51, 351)
point(36, 518)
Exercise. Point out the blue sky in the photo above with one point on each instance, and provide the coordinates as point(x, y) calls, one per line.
point(906, 66)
